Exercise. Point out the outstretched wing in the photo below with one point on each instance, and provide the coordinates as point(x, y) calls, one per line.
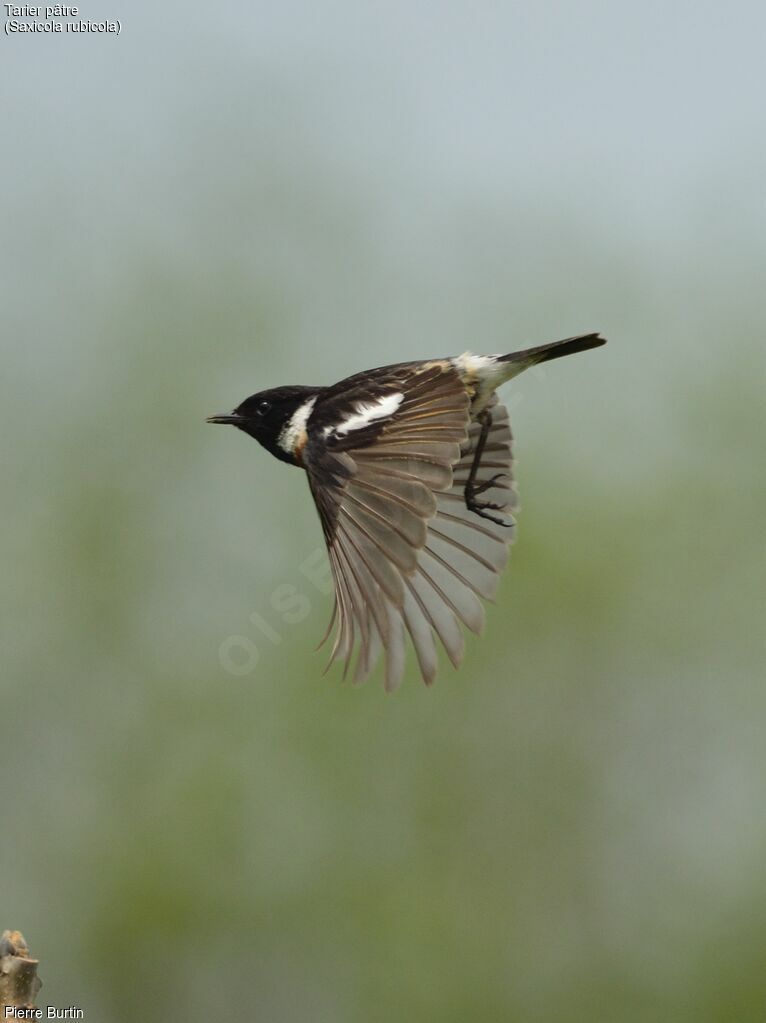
point(406, 554)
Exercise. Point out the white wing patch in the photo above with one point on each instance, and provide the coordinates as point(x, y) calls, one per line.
point(367, 413)
point(295, 427)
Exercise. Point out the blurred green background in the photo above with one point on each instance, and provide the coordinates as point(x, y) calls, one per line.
point(571, 828)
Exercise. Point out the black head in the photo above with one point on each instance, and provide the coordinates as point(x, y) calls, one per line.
point(265, 416)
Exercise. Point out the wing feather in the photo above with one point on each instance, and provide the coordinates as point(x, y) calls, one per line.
point(408, 557)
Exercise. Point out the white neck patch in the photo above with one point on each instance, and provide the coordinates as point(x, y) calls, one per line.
point(367, 413)
point(295, 427)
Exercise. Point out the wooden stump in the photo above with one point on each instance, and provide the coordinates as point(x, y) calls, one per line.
point(19, 982)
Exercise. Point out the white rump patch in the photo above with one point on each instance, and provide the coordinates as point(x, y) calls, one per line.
point(482, 374)
point(295, 427)
point(475, 367)
point(367, 413)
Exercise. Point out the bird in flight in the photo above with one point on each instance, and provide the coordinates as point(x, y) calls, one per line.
point(410, 468)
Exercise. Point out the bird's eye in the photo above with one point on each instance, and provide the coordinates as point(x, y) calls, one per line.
point(263, 407)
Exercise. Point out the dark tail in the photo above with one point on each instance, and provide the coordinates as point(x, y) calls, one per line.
point(532, 356)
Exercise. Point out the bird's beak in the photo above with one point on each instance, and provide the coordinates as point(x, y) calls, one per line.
point(230, 419)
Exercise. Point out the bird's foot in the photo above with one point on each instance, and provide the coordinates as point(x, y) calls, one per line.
point(483, 508)
point(479, 488)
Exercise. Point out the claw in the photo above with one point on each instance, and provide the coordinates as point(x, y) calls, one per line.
point(479, 488)
point(480, 510)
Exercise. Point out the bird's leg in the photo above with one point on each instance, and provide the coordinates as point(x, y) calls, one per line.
point(472, 489)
